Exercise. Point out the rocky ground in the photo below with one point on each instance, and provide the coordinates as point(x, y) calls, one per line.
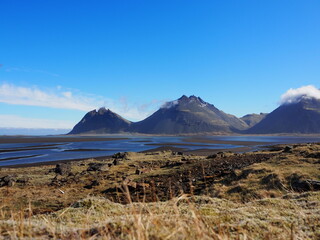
point(270, 194)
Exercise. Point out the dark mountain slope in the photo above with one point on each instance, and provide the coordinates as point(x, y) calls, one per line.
point(101, 121)
point(188, 115)
point(300, 117)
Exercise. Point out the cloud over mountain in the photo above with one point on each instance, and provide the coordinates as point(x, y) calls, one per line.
point(295, 95)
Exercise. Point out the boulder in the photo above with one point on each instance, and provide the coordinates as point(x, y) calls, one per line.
point(272, 181)
point(287, 149)
point(98, 167)
point(92, 184)
point(8, 180)
point(63, 168)
point(120, 155)
point(212, 156)
point(298, 184)
point(314, 155)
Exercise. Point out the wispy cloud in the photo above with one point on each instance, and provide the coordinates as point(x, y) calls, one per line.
point(30, 70)
point(33, 96)
point(62, 98)
point(15, 121)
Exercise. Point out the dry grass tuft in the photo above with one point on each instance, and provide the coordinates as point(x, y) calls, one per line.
point(184, 217)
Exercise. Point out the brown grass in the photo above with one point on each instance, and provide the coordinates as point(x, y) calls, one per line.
point(253, 202)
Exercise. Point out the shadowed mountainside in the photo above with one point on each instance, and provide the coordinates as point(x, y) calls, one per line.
point(188, 115)
point(299, 117)
point(101, 121)
point(192, 115)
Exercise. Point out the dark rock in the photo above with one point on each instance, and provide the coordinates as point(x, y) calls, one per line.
point(63, 168)
point(275, 148)
point(120, 155)
point(230, 177)
point(8, 180)
point(272, 181)
point(115, 162)
point(314, 155)
point(93, 184)
point(98, 167)
point(23, 180)
point(139, 171)
point(300, 185)
point(288, 149)
point(172, 164)
point(58, 181)
point(237, 189)
point(221, 154)
point(212, 156)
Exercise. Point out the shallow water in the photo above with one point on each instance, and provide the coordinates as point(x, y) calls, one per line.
point(25, 153)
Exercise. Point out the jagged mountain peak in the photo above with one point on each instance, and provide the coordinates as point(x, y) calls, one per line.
point(191, 98)
point(185, 101)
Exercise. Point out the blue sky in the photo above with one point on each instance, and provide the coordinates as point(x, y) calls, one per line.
point(60, 59)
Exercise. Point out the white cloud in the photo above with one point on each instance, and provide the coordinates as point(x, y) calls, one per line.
point(74, 100)
point(15, 121)
point(170, 104)
point(295, 95)
point(33, 96)
point(67, 94)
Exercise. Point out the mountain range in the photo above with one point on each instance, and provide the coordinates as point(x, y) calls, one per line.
point(192, 115)
point(301, 117)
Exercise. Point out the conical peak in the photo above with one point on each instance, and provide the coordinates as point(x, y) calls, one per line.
point(102, 110)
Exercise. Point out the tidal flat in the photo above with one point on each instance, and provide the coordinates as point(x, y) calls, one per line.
point(41, 150)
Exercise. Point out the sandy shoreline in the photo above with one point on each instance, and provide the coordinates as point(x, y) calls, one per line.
point(214, 141)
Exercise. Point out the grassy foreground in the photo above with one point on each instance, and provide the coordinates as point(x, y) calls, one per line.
point(272, 194)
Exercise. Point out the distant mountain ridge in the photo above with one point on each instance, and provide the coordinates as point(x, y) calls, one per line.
point(186, 115)
point(192, 115)
point(253, 119)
